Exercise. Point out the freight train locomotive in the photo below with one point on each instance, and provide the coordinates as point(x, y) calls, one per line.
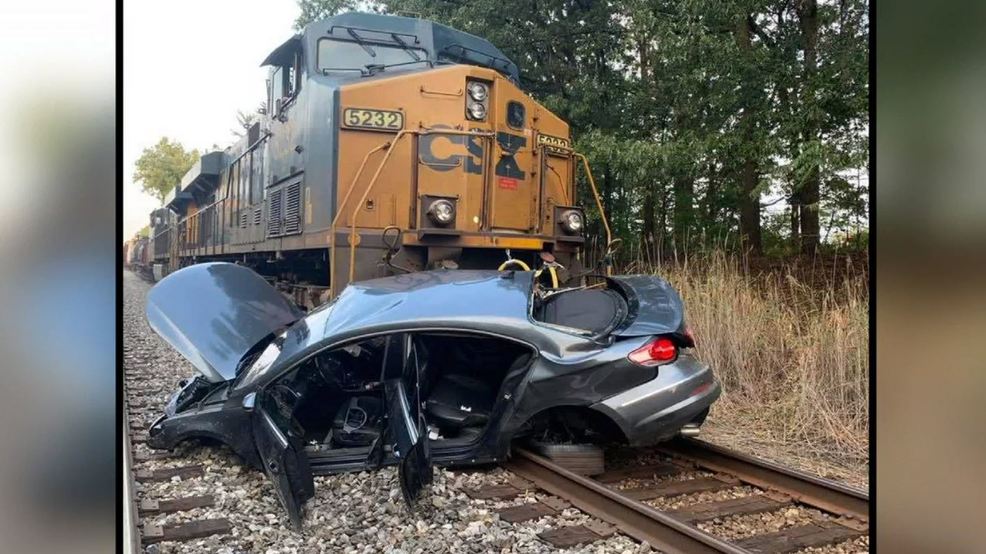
point(386, 144)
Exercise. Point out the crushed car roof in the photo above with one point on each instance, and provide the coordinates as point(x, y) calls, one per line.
point(483, 300)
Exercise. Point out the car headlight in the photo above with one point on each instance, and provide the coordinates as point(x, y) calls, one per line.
point(572, 222)
point(478, 91)
point(441, 212)
point(477, 110)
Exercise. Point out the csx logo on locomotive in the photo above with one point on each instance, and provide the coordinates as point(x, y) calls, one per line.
point(472, 156)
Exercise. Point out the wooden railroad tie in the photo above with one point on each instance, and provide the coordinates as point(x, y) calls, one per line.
point(753, 504)
point(185, 531)
point(640, 472)
point(148, 456)
point(678, 488)
point(533, 510)
point(512, 488)
point(165, 474)
point(172, 505)
point(571, 535)
point(793, 539)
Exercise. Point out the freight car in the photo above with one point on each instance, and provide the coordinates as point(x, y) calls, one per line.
point(136, 255)
point(386, 144)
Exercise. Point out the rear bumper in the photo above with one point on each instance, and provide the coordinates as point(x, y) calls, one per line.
point(656, 410)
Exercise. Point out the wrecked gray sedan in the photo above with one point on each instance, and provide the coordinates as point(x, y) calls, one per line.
point(435, 367)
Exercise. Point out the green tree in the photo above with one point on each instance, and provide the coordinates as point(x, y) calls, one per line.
point(161, 167)
point(313, 10)
point(244, 120)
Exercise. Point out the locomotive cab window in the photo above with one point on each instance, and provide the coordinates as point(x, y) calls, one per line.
point(344, 55)
point(285, 82)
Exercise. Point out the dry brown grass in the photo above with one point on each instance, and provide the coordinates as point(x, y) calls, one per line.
point(792, 356)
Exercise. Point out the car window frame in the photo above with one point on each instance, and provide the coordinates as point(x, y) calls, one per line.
point(536, 352)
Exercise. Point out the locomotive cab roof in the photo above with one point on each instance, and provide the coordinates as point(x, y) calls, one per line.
point(439, 44)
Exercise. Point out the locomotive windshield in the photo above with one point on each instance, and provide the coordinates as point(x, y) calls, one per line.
point(337, 54)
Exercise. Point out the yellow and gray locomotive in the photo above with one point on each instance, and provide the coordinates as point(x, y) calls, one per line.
point(386, 144)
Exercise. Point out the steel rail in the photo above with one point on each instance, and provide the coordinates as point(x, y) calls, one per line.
point(803, 487)
point(131, 533)
point(632, 517)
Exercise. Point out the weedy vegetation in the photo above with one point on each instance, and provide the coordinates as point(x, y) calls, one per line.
point(788, 341)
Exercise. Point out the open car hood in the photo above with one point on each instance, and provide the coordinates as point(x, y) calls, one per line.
point(653, 306)
point(215, 313)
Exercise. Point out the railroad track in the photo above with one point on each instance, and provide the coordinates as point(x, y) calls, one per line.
point(626, 510)
point(142, 510)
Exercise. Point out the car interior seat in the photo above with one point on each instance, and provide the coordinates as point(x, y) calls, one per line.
point(357, 422)
point(458, 400)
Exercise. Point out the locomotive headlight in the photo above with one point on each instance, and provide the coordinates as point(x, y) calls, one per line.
point(571, 221)
point(478, 91)
point(477, 110)
point(442, 212)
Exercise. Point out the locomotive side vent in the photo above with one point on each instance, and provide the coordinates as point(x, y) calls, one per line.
point(274, 213)
point(284, 210)
point(292, 209)
point(244, 219)
point(257, 216)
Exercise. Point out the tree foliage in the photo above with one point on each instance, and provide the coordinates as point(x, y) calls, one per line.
point(161, 167)
point(707, 122)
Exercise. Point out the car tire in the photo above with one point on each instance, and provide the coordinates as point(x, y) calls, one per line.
point(584, 459)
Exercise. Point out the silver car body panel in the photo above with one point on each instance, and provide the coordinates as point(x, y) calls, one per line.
point(215, 313)
point(679, 393)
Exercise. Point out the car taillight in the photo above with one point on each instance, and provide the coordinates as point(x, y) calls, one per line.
point(659, 351)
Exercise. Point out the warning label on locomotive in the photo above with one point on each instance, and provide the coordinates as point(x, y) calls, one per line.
point(554, 145)
point(374, 120)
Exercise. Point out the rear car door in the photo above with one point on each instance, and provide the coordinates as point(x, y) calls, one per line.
point(406, 423)
point(278, 442)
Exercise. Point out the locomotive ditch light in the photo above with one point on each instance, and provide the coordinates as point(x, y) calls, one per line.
point(477, 111)
point(442, 212)
point(571, 222)
point(478, 91)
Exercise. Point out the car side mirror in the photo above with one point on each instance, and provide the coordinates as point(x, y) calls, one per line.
point(249, 401)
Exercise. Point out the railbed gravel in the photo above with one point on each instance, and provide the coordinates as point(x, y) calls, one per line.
point(351, 512)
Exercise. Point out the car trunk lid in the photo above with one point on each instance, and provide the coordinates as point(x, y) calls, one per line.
point(653, 306)
point(215, 313)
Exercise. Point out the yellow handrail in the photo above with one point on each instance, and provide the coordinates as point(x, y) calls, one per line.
point(599, 203)
point(335, 220)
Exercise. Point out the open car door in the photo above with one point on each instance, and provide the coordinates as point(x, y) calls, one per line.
point(283, 456)
point(406, 422)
